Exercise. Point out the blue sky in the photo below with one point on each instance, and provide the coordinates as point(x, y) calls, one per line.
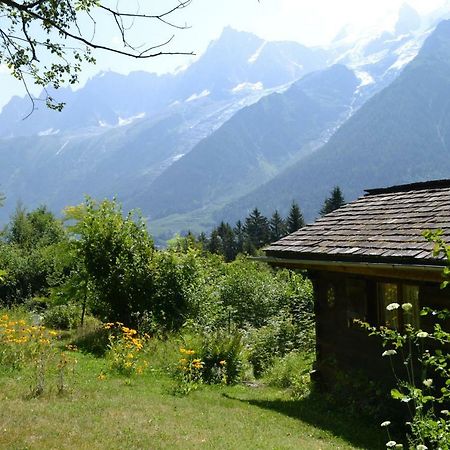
point(311, 22)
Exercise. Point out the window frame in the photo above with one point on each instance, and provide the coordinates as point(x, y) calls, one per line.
point(401, 298)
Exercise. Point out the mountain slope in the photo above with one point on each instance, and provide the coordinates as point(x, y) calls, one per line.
point(401, 135)
point(254, 145)
point(233, 64)
point(119, 132)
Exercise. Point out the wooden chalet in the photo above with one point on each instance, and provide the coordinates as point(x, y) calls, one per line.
point(364, 256)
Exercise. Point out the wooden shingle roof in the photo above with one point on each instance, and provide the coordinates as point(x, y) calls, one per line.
point(385, 225)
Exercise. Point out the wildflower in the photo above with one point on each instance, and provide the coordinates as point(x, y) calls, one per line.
point(130, 356)
point(422, 334)
point(101, 377)
point(421, 447)
point(386, 423)
point(391, 444)
point(407, 306)
point(223, 362)
point(182, 350)
point(428, 382)
point(53, 333)
point(183, 361)
point(392, 307)
point(446, 412)
point(389, 353)
point(190, 352)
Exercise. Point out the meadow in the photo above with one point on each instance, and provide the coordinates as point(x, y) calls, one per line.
point(95, 407)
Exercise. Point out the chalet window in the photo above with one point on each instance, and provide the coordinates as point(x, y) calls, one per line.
point(356, 293)
point(397, 293)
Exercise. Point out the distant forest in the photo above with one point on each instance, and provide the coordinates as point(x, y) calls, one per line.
point(257, 230)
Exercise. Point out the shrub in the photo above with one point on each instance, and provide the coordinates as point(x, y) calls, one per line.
point(189, 372)
point(124, 348)
point(62, 317)
point(278, 338)
point(221, 353)
point(291, 371)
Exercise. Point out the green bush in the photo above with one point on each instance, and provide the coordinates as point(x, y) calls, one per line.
point(291, 372)
point(62, 317)
point(221, 353)
point(278, 338)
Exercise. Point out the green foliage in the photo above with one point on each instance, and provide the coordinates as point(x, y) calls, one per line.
point(222, 354)
point(333, 202)
point(278, 228)
point(173, 277)
point(425, 384)
point(295, 219)
point(280, 337)
point(62, 317)
point(257, 231)
point(32, 254)
point(43, 40)
point(291, 372)
point(116, 255)
point(124, 353)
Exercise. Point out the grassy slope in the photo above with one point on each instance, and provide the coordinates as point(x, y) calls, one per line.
point(111, 414)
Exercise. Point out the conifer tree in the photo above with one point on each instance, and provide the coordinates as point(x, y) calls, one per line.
point(257, 231)
point(277, 227)
point(203, 240)
point(239, 236)
point(333, 202)
point(228, 245)
point(215, 243)
point(295, 219)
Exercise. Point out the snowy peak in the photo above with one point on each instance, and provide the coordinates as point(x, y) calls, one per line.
point(408, 20)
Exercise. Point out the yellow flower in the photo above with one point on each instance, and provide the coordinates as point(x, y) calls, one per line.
point(53, 333)
point(101, 377)
point(223, 362)
point(130, 356)
point(190, 352)
point(182, 350)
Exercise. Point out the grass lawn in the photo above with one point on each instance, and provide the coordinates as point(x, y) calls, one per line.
point(144, 414)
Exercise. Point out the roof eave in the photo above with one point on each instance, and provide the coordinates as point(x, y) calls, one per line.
point(424, 272)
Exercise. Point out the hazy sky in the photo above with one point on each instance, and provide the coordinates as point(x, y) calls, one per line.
point(311, 22)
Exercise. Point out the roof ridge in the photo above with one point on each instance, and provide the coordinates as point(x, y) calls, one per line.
point(417, 186)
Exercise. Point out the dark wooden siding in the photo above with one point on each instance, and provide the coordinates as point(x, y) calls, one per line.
point(343, 346)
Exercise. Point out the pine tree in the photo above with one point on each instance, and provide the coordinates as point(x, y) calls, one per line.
point(239, 235)
point(203, 240)
point(334, 201)
point(215, 242)
point(277, 227)
point(257, 231)
point(295, 219)
point(228, 243)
